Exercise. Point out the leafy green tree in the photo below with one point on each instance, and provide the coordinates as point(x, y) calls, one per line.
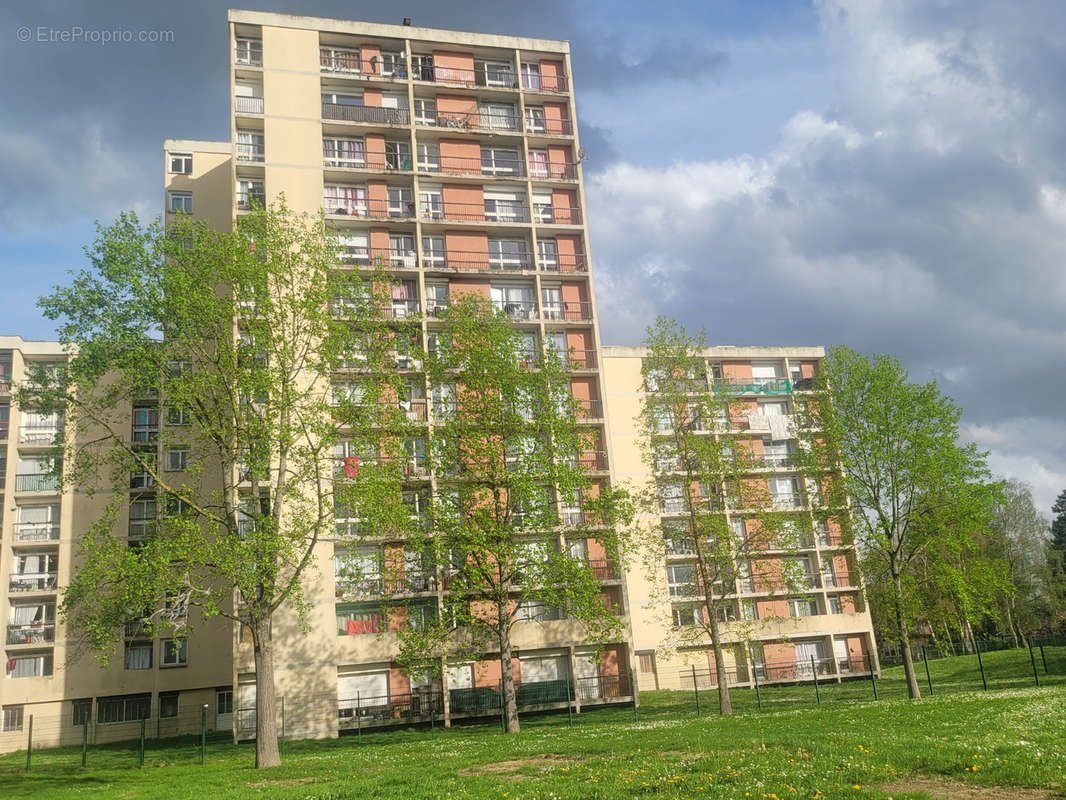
point(231, 339)
point(701, 468)
point(1058, 524)
point(507, 448)
point(912, 486)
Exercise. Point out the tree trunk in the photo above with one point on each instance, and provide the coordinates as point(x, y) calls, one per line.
point(725, 703)
point(266, 728)
point(905, 639)
point(1010, 624)
point(510, 702)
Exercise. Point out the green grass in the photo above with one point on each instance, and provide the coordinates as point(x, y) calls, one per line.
point(845, 748)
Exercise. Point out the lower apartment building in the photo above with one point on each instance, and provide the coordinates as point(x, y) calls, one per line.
point(774, 633)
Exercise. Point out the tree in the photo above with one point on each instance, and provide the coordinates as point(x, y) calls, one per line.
point(914, 489)
point(1058, 525)
point(231, 339)
point(701, 469)
point(507, 447)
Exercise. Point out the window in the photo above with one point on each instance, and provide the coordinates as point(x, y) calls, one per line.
point(500, 161)
point(175, 652)
point(358, 572)
point(398, 155)
point(543, 207)
point(138, 655)
point(531, 80)
point(681, 579)
point(178, 415)
point(223, 701)
point(123, 708)
point(431, 201)
point(82, 711)
point(354, 619)
point(684, 615)
point(494, 73)
point(181, 163)
point(535, 119)
point(176, 459)
point(250, 146)
point(168, 704)
point(548, 255)
point(344, 152)
point(12, 719)
point(508, 254)
point(142, 515)
point(672, 498)
point(538, 164)
point(250, 52)
point(749, 609)
point(425, 111)
point(504, 205)
point(30, 665)
point(497, 116)
point(833, 601)
point(180, 202)
point(646, 662)
point(429, 156)
point(535, 611)
point(145, 424)
point(802, 607)
point(401, 201)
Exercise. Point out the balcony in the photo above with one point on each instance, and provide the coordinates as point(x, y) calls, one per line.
point(783, 501)
point(39, 434)
point(603, 570)
point(249, 53)
point(348, 62)
point(346, 202)
point(549, 126)
point(26, 532)
point(593, 460)
point(837, 580)
point(472, 261)
point(245, 200)
point(373, 115)
point(771, 461)
point(37, 633)
point(477, 121)
point(250, 151)
point(461, 165)
point(488, 77)
point(764, 386)
point(402, 309)
point(364, 586)
point(517, 310)
point(502, 211)
point(535, 82)
point(568, 310)
point(242, 104)
point(579, 359)
point(589, 409)
point(32, 582)
point(37, 483)
point(563, 262)
point(556, 215)
point(553, 170)
point(362, 256)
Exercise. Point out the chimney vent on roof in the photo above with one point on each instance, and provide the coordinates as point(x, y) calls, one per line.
point(406, 20)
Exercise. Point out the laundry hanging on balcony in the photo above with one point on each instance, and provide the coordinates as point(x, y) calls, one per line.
point(351, 466)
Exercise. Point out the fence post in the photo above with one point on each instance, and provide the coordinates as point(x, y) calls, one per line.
point(873, 677)
point(928, 676)
point(755, 677)
point(358, 721)
point(203, 734)
point(503, 708)
point(283, 725)
point(29, 744)
point(696, 689)
point(84, 739)
point(817, 690)
point(1032, 660)
point(980, 664)
point(569, 705)
point(142, 743)
point(432, 715)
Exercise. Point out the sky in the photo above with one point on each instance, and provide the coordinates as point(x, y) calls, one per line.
point(888, 175)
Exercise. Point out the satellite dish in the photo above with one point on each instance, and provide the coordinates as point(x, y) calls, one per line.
point(580, 154)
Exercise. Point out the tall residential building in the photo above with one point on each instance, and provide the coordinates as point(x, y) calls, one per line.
point(776, 631)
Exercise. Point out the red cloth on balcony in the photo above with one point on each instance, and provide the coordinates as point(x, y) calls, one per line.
point(351, 467)
point(354, 627)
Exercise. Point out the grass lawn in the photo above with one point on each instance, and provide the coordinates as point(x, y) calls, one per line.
point(963, 742)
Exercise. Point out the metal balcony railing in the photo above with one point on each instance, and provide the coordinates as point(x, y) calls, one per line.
point(837, 580)
point(772, 461)
point(36, 531)
point(579, 359)
point(603, 570)
point(589, 409)
point(470, 261)
point(373, 115)
point(486, 121)
point(568, 310)
point(553, 170)
point(556, 215)
point(245, 200)
point(402, 309)
point(534, 82)
point(549, 126)
point(779, 501)
point(363, 586)
point(135, 629)
point(248, 105)
point(250, 151)
point(3, 432)
point(481, 75)
point(760, 584)
point(36, 633)
point(563, 262)
point(249, 54)
point(368, 208)
point(32, 582)
point(5, 384)
point(349, 62)
point(517, 310)
point(36, 483)
point(768, 386)
point(469, 165)
point(593, 460)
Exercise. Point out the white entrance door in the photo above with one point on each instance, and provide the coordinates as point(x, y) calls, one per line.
point(588, 676)
point(223, 709)
point(245, 711)
point(805, 651)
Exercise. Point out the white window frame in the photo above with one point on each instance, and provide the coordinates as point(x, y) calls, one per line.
point(176, 459)
point(183, 161)
point(179, 202)
point(173, 655)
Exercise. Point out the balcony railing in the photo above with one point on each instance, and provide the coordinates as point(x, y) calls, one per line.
point(373, 115)
point(489, 121)
point(37, 483)
point(759, 584)
point(368, 208)
point(469, 165)
point(32, 582)
point(589, 409)
point(770, 386)
point(544, 83)
point(569, 310)
point(359, 255)
point(556, 215)
point(564, 262)
point(836, 580)
point(517, 310)
point(5, 384)
point(553, 170)
point(245, 200)
point(40, 434)
point(365, 586)
point(351, 64)
point(36, 531)
point(594, 460)
point(779, 501)
point(462, 76)
point(603, 570)
point(579, 359)
point(248, 105)
point(402, 309)
point(250, 151)
point(249, 56)
point(549, 126)
point(505, 211)
point(470, 261)
point(31, 634)
point(772, 461)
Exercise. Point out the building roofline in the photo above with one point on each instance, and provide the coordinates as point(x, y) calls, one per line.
point(725, 351)
point(37, 347)
point(240, 16)
point(198, 146)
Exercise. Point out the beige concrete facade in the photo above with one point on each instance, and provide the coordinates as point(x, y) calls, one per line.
point(779, 631)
